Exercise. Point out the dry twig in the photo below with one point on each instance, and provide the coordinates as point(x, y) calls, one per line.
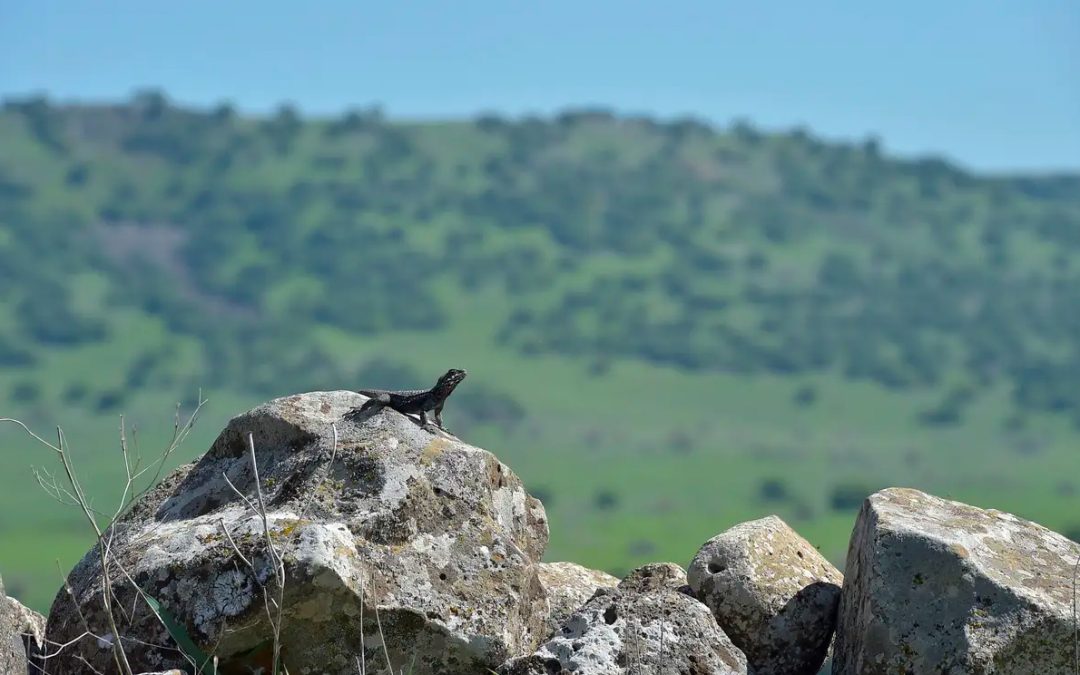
point(74, 495)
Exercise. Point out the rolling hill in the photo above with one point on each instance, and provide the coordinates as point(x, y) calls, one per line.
point(669, 327)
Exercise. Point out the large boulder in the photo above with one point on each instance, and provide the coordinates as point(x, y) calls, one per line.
point(568, 586)
point(409, 547)
point(936, 586)
point(22, 633)
point(773, 594)
point(646, 624)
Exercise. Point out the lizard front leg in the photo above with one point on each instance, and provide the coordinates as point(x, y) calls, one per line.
point(424, 421)
point(438, 416)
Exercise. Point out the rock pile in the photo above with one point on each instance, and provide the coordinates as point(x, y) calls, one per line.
point(412, 551)
point(646, 624)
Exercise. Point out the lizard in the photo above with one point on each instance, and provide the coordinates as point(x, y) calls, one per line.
point(410, 402)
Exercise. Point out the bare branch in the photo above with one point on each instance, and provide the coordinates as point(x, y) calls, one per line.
point(37, 438)
point(363, 649)
point(76, 496)
point(47, 482)
point(235, 548)
point(87, 664)
point(382, 638)
point(275, 558)
point(180, 433)
point(1076, 628)
point(239, 494)
point(106, 593)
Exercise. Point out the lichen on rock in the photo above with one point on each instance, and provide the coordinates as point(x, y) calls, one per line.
point(22, 635)
point(772, 592)
point(646, 624)
point(437, 537)
point(568, 587)
point(938, 586)
point(417, 552)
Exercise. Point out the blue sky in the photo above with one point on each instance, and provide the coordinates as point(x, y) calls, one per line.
point(992, 85)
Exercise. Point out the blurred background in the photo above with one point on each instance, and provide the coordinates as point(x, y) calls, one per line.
point(704, 261)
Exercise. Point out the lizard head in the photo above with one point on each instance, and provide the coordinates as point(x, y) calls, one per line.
point(451, 379)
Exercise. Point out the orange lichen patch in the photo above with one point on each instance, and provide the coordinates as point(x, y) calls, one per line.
point(289, 526)
point(959, 551)
point(435, 448)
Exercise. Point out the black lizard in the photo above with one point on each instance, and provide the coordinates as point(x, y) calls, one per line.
point(412, 402)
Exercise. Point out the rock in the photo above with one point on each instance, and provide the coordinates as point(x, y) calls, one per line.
point(643, 625)
point(22, 633)
point(939, 586)
point(654, 576)
point(415, 546)
point(568, 586)
point(773, 594)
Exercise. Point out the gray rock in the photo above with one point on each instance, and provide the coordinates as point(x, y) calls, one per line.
point(773, 594)
point(568, 586)
point(654, 576)
point(643, 625)
point(415, 546)
point(935, 586)
point(22, 634)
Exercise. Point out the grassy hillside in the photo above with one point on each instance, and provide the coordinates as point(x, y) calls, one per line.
point(669, 327)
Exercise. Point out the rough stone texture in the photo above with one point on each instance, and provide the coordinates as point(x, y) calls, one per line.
point(569, 586)
point(437, 536)
point(654, 576)
point(22, 633)
point(773, 594)
point(935, 586)
point(646, 624)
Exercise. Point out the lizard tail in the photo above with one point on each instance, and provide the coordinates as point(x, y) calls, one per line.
point(375, 395)
point(369, 408)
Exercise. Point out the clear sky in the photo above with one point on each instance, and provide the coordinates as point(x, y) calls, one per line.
point(993, 84)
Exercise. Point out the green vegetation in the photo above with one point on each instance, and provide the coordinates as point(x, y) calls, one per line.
point(669, 328)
